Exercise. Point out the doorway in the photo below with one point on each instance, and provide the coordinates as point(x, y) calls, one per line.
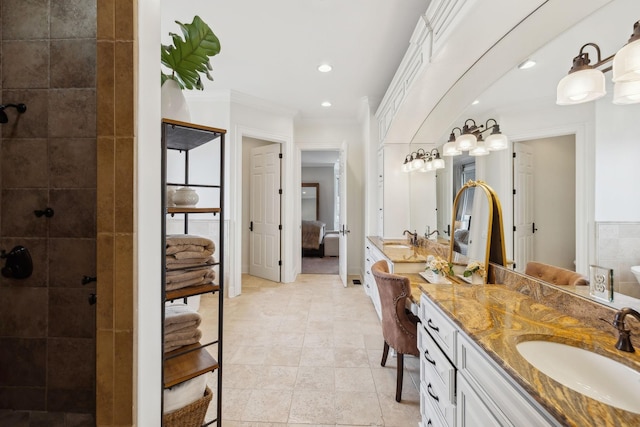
point(544, 176)
point(261, 206)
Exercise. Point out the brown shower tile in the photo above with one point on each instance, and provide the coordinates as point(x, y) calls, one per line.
point(70, 400)
point(72, 113)
point(33, 122)
point(73, 19)
point(104, 377)
point(25, 19)
point(70, 260)
point(124, 181)
point(124, 13)
point(75, 63)
point(124, 90)
point(13, 418)
point(29, 64)
point(75, 213)
point(80, 420)
point(24, 163)
point(71, 358)
point(47, 419)
point(21, 399)
point(37, 248)
point(28, 370)
point(123, 293)
point(106, 19)
point(70, 314)
point(123, 379)
point(72, 163)
point(106, 283)
point(106, 185)
point(105, 88)
point(18, 218)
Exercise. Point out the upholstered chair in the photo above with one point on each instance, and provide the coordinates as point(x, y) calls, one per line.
point(556, 275)
point(399, 325)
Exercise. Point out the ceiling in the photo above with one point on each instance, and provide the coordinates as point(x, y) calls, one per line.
point(271, 49)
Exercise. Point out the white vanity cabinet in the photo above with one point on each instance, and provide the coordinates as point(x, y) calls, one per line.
point(371, 256)
point(461, 386)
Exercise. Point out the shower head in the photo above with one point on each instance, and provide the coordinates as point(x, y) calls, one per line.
point(3, 116)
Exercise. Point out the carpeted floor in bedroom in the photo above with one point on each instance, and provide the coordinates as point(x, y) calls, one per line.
point(320, 265)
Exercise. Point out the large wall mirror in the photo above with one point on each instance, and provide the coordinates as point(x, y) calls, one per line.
point(603, 165)
point(477, 229)
point(310, 201)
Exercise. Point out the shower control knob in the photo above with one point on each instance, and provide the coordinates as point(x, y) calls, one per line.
point(93, 298)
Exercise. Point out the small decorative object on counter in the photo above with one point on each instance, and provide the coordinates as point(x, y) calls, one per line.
point(476, 272)
point(185, 196)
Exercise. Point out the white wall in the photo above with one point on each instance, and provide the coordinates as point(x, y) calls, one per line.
point(333, 135)
point(325, 176)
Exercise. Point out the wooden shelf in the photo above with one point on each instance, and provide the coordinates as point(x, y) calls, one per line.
point(186, 136)
point(190, 291)
point(187, 209)
point(187, 366)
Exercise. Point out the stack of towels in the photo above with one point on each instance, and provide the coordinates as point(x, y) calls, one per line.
point(180, 326)
point(189, 261)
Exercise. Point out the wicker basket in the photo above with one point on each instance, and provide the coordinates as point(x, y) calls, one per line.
point(191, 415)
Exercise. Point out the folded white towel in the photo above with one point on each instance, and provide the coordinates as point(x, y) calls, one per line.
point(185, 393)
point(180, 316)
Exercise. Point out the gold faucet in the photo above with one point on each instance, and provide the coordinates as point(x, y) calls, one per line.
point(624, 334)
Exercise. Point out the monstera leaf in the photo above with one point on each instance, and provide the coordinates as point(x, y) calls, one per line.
point(188, 58)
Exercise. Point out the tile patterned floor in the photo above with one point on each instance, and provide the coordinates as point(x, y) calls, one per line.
point(308, 354)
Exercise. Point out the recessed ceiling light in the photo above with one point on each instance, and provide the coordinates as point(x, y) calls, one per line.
point(326, 104)
point(476, 102)
point(527, 63)
point(325, 68)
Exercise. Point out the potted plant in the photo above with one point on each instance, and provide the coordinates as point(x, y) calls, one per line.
point(476, 271)
point(440, 268)
point(187, 59)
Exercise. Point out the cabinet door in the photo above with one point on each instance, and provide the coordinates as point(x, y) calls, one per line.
point(471, 411)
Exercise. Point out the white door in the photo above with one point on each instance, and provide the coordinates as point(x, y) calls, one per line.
point(264, 213)
point(523, 203)
point(343, 224)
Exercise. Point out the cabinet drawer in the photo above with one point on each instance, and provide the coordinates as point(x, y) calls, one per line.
point(433, 409)
point(435, 367)
point(506, 400)
point(471, 410)
point(439, 327)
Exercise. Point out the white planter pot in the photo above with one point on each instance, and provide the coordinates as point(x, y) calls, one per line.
point(174, 104)
point(185, 196)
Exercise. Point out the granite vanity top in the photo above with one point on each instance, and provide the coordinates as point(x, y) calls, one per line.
point(392, 250)
point(497, 319)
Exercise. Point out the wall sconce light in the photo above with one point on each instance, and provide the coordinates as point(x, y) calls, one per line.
point(422, 161)
point(471, 139)
point(586, 83)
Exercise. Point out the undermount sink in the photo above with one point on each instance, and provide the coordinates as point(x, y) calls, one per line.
point(588, 373)
point(396, 246)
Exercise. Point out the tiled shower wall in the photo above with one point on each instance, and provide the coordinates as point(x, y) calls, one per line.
point(618, 247)
point(48, 159)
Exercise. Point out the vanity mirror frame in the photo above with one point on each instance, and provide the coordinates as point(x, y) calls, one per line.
point(495, 248)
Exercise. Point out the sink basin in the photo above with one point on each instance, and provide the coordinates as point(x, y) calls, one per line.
point(396, 246)
point(588, 373)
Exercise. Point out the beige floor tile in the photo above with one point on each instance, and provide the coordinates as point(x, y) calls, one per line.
point(358, 408)
point(308, 354)
point(351, 358)
point(265, 405)
point(283, 356)
point(354, 379)
point(317, 357)
point(316, 378)
point(313, 407)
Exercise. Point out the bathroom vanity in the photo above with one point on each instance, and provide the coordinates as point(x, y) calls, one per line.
point(473, 374)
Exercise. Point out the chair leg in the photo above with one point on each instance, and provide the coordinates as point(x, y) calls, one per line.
point(400, 375)
point(385, 353)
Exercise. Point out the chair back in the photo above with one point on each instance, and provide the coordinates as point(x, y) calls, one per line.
point(397, 329)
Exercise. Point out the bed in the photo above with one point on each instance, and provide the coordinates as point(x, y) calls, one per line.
point(312, 238)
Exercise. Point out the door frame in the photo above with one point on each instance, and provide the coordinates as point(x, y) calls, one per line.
point(339, 146)
point(287, 174)
point(585, 182)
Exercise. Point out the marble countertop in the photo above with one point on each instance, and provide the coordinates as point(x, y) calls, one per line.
point(396, 252)
point(497, 319)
